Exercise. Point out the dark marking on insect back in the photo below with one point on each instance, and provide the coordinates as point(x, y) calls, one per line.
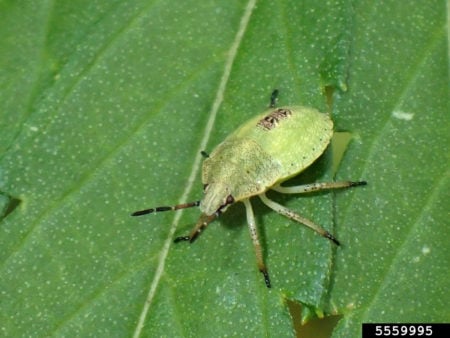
point(270, 121)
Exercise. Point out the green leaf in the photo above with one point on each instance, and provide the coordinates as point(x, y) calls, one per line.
point(104, 109)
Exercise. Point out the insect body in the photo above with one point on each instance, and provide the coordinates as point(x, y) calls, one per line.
point(265, 151)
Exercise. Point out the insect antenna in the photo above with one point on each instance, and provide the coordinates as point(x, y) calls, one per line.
point(158, 209)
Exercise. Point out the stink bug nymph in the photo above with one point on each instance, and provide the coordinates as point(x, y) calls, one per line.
point(264, 152)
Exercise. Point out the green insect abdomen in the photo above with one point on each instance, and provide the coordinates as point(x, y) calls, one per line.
point(292, 136)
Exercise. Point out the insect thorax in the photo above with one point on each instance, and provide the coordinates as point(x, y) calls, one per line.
point(237, 167)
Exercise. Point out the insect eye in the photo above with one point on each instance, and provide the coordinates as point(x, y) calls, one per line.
point(230, 199)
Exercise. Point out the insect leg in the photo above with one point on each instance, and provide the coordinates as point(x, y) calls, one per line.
point(202, 223)
point(300, 189)
point(254, 235)
point(273, 98)
point(296, 217)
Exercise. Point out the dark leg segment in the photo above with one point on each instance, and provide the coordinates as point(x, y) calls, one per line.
point(273, 98)
point(202, 223)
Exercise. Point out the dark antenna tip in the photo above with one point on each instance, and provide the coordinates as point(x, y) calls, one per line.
point(142, 212)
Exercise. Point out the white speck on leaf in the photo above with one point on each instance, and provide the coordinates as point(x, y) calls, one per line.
point(426, 250)
point(401, 115)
